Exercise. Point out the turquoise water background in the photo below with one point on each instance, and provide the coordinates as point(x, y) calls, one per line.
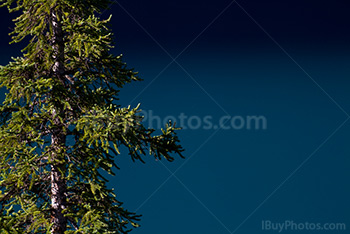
point(292, 68)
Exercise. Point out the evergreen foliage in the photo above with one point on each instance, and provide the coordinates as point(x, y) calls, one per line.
point(61, 125)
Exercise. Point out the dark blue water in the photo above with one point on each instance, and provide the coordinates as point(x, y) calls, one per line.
point(295, 169)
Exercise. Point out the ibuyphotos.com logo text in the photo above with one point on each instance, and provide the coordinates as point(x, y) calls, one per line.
point(290, 225)
point(208, 122)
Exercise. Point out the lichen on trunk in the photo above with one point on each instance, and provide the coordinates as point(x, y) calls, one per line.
point(58, 183)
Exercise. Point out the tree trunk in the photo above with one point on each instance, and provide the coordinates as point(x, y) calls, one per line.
point(58, 200)
point(58, 138)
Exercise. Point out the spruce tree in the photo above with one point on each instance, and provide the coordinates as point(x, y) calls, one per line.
point(61, 126)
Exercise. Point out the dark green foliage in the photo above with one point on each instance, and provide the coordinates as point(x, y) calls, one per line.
point(61, 112)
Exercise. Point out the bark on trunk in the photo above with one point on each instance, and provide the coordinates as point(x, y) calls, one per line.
point(58, 200)
point(58, 138)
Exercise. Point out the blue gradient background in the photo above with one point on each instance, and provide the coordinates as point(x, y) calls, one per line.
point(297, 169)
